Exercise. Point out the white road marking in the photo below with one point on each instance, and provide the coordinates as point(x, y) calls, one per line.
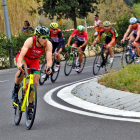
point(49, 100)
point(4, 81)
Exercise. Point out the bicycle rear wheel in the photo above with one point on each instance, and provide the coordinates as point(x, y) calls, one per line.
point(18, 112)
point(30, 120)
point(108, 65)
point(83, 63)
point(97, 64)
point(54, 73)
point(69, 65)
point(42, 78)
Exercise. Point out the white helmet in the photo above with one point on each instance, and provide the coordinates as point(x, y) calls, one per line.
point(133, 20)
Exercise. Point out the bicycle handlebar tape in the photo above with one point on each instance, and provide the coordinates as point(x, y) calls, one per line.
point(21, 71)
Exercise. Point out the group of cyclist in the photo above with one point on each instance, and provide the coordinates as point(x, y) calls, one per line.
point(39, 43)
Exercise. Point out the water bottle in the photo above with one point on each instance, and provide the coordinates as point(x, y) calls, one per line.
point(132, 52)
point(77, 61)
point(104, 54)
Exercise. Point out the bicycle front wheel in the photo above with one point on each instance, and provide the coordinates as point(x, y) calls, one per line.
point(108, 65)
point(97, 64)
point(69, 65)
point(42, 74)
point(30, 119)
point(83, 63)
point(18, 112)
point(55, 72)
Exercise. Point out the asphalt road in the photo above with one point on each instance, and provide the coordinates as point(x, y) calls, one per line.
point(55, 124)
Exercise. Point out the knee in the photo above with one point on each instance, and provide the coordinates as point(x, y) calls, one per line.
point(36, 82)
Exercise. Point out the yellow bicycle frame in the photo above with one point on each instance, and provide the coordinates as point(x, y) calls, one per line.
point(25, 100)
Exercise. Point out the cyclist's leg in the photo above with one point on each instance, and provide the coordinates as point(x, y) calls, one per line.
point(81, 55)
point(136, 44)
point(17, 81)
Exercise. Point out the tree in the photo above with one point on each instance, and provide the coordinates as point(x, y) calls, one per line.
point(67, 8)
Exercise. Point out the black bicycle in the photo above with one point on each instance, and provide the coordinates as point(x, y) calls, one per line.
point(72, 62)
point(44, 77)
point(101, 60)
point(129, 55)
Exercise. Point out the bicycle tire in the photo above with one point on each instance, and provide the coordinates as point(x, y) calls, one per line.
point(83, 63)
point(54, 73)
point(43, 68)
point(18, 112)
point(108, 65)
point(97, 64)
point(69, 63)
point(123, 60)
point(29, 122)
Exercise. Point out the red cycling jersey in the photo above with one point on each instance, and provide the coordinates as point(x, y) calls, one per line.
point(135, 29)
point(56, 37)
point(80, 37)
point(34, 52)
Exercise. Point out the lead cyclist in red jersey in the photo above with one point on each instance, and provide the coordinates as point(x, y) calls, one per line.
point(82, 40)
point(29, 55)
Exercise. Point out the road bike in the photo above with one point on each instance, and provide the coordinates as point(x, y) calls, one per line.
point(53, 75)
point(27, 88)
point(129, 55)
point(102, 60)
point(72, 61)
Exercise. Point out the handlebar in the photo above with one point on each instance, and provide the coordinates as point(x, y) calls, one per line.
point(21, 71)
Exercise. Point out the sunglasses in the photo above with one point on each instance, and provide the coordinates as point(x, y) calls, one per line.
point(44, 37)
point(134, 24)
point(54, 29)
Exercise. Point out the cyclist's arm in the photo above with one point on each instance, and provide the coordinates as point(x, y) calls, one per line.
point(112, 41)
point(60, 41)
point(85, 43)
point(49, 54)
point(127, 32)
point(96, 40)
point(27, 44)
point(131, 34)
point(69, 40)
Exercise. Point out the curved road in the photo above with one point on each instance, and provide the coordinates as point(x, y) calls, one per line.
point(55, 124)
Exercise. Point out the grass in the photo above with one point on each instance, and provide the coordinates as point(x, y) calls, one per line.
point(127, 79)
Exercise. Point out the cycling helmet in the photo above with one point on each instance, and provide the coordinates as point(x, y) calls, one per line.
point(41, 30)
point(106, 23)
point(81, 28)
point(53, 25)
point(133, 20)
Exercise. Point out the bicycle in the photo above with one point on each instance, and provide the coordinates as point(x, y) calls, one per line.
point(102, 60)
point(54, 74)
point(72, 62)
point(129, 54)
point(26, 88)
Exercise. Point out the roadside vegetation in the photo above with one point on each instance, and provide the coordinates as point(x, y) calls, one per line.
point(126, 79)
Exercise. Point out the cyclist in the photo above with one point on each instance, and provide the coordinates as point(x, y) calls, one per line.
point(82, 40)
point(134, 35)
point(57, 42)
point(110, 39)
point(29, 55)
